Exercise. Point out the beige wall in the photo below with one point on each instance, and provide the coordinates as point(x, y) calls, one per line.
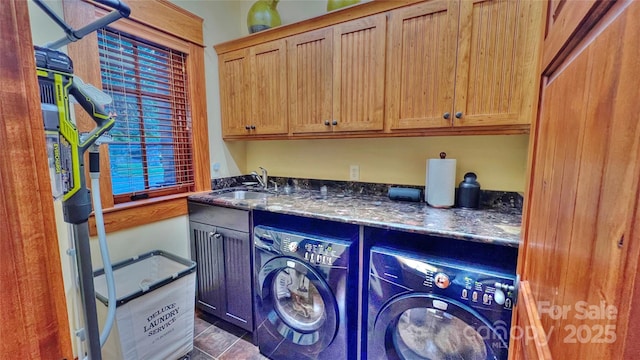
point(290, 11)
point(499, 161)
point(220, 24)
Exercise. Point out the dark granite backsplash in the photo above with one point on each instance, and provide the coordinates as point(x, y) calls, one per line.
point(489, 199)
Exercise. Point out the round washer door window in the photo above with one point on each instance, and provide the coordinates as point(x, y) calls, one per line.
point(298, 301)
point(427, 333)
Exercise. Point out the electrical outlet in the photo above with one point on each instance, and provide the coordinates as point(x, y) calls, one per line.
point(354, 172)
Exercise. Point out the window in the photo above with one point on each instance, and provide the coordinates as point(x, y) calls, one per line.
point(152, 64)
point(151, 152)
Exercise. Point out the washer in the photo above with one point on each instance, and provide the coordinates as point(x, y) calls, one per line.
point(305, 295)
point(423, 307)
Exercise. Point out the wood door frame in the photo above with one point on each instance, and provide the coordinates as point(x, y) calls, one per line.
point(34, 310)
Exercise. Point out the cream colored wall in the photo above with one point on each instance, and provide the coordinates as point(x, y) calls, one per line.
point(499, 161)
point(220, 24)
point(290, 11)
point(169, 235)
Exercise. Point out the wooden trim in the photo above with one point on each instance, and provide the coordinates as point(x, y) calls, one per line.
point(143, 212)
point(483, 130)
point(532, 342)
point(199, 122)
point(34, 315)
point(164, 16)
point(332, 18)
point(147, 33)
point(574, 26)
point(531, 154)
point(629, 313)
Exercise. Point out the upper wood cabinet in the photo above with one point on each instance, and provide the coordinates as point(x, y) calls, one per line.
point(310, 70)
point(235, 99)
point(336, 77)
point(387, 69)
point(421, 59)
point(253, 92)
point(467, 63)
point(499, 44)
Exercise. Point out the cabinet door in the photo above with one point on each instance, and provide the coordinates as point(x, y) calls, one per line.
point(581, 234)
point(269, 88)
point(499, 46)
point(235, 108)
point(238, 307)
point(358, 69)
point(421, 56)
point(205, 251)
point(563, 18)
point(310, 64)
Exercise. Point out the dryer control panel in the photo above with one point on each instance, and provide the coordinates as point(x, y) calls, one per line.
point(476, 287)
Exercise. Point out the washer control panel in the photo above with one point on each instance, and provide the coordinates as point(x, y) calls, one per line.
point(320, 254)
point(316, 251)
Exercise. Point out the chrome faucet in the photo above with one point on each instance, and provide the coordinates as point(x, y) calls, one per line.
point(262, 179)
point(265, 177)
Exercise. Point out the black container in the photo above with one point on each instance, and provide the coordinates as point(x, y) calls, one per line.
point(469, 192)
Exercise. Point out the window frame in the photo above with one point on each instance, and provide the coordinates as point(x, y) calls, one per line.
point(139, 94)
point(154, 21)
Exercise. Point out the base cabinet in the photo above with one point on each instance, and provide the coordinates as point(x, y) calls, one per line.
point(221, 247)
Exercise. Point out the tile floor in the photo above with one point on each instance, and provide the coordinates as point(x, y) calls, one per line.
point(215, 339)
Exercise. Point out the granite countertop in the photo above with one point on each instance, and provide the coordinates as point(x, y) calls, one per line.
point(484, 225)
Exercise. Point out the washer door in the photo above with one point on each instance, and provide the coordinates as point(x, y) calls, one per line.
point(424, 326)
point(298, 303)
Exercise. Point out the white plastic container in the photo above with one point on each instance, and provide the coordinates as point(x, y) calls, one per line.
point(155, 295)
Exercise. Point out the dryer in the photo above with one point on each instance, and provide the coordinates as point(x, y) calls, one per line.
point(426, 307)
point(306, 290)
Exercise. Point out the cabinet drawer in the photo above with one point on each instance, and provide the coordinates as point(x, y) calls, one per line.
point(220, 216)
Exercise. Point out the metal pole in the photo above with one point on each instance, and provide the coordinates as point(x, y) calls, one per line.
point(87, 292)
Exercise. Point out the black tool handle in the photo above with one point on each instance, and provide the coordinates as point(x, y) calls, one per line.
point(122, 10)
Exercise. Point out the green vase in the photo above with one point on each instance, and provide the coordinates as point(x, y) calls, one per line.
point(263, 15)
point(337, 4)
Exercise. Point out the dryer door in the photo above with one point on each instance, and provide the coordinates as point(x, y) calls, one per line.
point(297, 303)
point(424, 326)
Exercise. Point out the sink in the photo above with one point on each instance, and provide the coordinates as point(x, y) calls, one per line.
point(244, 195)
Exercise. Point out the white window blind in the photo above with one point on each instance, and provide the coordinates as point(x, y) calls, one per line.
point(151, 153)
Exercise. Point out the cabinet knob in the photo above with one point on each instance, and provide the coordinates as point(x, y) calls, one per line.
point(334, 122)
point(446, 116)
point(253, 127)
point(326, 123)
point(458, 115)
point(211, 234)
point(247, 127)
point(217, 235)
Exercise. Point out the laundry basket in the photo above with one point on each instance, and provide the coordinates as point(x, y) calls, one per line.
point(155, 299)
